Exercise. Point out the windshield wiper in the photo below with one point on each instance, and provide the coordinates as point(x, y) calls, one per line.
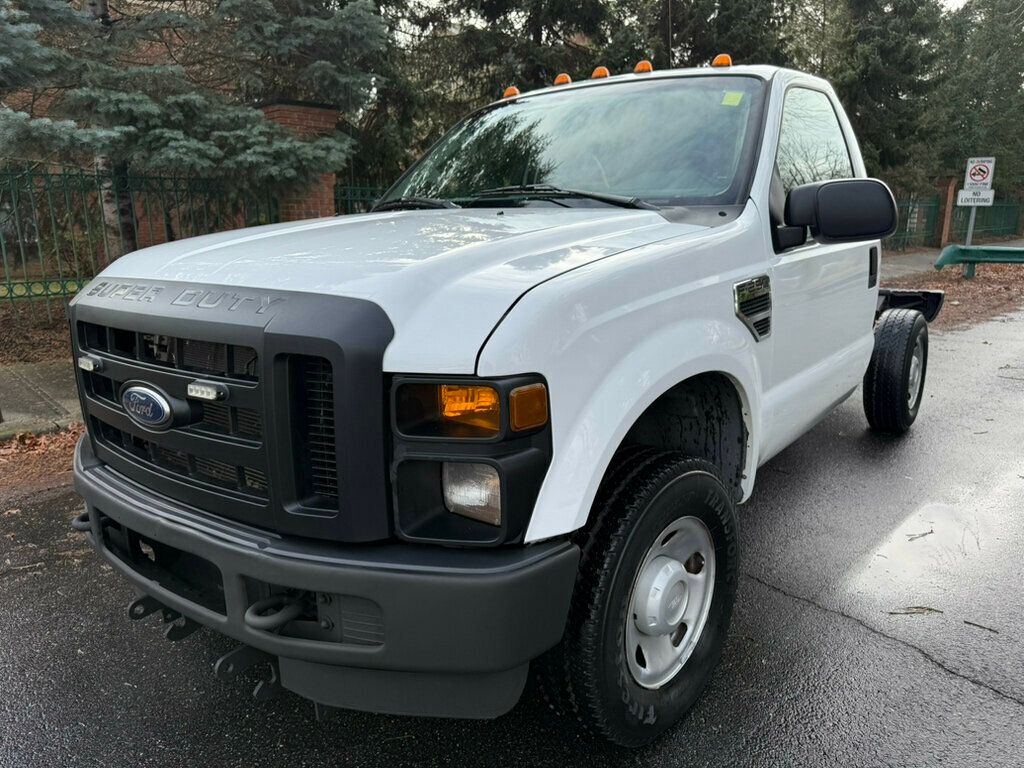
point(551, 192)
point(413, 203)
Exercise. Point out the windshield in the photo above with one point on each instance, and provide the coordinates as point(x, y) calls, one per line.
point(672, 141)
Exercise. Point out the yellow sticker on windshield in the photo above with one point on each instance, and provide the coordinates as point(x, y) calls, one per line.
point(732, 98)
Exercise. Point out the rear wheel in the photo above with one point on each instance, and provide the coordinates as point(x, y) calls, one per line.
point(894, 381)
point(653, 599)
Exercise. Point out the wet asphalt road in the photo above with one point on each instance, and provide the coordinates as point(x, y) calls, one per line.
point(856, 639)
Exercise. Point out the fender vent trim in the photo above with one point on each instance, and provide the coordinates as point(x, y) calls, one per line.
point(753, 303)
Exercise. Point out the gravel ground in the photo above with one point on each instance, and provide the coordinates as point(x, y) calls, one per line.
point(37, 461)
point(33, 332)
point(997, 289)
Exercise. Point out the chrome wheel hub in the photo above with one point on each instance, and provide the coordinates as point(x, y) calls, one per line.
point(916, 374)
point(670, 602)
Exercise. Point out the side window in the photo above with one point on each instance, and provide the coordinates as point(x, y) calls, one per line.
point(811, 143)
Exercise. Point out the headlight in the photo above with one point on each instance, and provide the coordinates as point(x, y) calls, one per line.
point(468, 457)
point(472, 490)
point(448, 410)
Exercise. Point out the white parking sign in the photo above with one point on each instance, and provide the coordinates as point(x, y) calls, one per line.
point(980, 171)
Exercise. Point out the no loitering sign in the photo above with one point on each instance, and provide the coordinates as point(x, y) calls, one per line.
point(977, 189)
point(968, 197)
point(977, 192)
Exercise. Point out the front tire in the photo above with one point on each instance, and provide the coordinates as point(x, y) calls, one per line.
point(653, 598)
point(894, 381)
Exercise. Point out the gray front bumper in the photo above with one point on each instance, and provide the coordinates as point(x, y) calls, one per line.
point(458, 626)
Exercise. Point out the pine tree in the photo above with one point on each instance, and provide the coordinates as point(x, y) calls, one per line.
point(156, 90)
point(885, 75)
point(977, 108)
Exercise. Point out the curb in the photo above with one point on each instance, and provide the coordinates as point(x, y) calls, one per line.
point(40, 427)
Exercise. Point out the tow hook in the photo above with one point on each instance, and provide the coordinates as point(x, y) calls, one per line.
point(82, 522)
point(273, 612)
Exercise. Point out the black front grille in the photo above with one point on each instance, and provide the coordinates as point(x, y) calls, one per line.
point(193, 355)
point(296, 442)
point(223, 419)
point(248, 480)
point(317, 461)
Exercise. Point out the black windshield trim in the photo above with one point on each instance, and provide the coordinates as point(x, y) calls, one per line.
point(413, 204)
point(551, 192)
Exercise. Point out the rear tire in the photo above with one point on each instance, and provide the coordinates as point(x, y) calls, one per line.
point(894, 381)
point(616, 691)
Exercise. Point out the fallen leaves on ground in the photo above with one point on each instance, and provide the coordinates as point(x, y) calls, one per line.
point(995, 290)
point(30, 461)
point(33, 331)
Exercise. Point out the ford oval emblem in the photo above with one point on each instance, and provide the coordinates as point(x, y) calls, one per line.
point(147, 406)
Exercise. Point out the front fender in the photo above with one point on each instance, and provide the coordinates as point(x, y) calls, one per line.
point(603, 378)
point(614, 335)
point(584, 446)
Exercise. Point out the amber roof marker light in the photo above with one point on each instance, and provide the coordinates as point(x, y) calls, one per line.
point(510, 92)
point(643, 67)
point(600, 72)
point(562, 79)
point(722, 60)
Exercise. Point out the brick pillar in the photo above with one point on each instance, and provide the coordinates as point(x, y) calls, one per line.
point(317, 197)
point(947, 203)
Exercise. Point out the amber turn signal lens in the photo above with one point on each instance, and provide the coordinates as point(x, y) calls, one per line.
point(643, 66)
point(510, 92)
point(563, 79)
point(444, 411)
point(722, 60)
point(528, 407)
point(472, 406)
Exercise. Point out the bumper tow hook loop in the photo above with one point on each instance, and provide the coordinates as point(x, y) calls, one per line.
point(283, 608)
point(82, 522)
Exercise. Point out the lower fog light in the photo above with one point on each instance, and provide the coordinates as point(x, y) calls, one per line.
point(472, 490)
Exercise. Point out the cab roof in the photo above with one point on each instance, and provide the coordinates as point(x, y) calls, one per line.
point(762, 71)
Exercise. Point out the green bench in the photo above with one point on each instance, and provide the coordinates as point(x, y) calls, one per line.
point(972, 255)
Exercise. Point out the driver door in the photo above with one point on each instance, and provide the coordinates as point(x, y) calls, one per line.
point(823, 296)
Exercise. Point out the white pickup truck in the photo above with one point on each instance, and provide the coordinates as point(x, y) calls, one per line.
point(506, 417)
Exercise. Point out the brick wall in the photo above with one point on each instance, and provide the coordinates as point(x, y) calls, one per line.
point(316, 199)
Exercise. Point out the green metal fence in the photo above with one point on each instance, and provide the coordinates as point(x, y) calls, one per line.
point(355, 199)
point(998, 220)
point(918, 224)
point(59, 229)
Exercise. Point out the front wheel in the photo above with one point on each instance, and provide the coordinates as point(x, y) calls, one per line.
point(653, 598)
point(894, 381)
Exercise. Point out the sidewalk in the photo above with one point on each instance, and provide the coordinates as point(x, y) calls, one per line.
point(37, 397)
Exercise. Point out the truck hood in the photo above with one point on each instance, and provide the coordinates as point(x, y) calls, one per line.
point(444, 277)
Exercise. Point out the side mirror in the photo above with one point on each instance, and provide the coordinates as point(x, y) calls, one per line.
point(843, 211)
